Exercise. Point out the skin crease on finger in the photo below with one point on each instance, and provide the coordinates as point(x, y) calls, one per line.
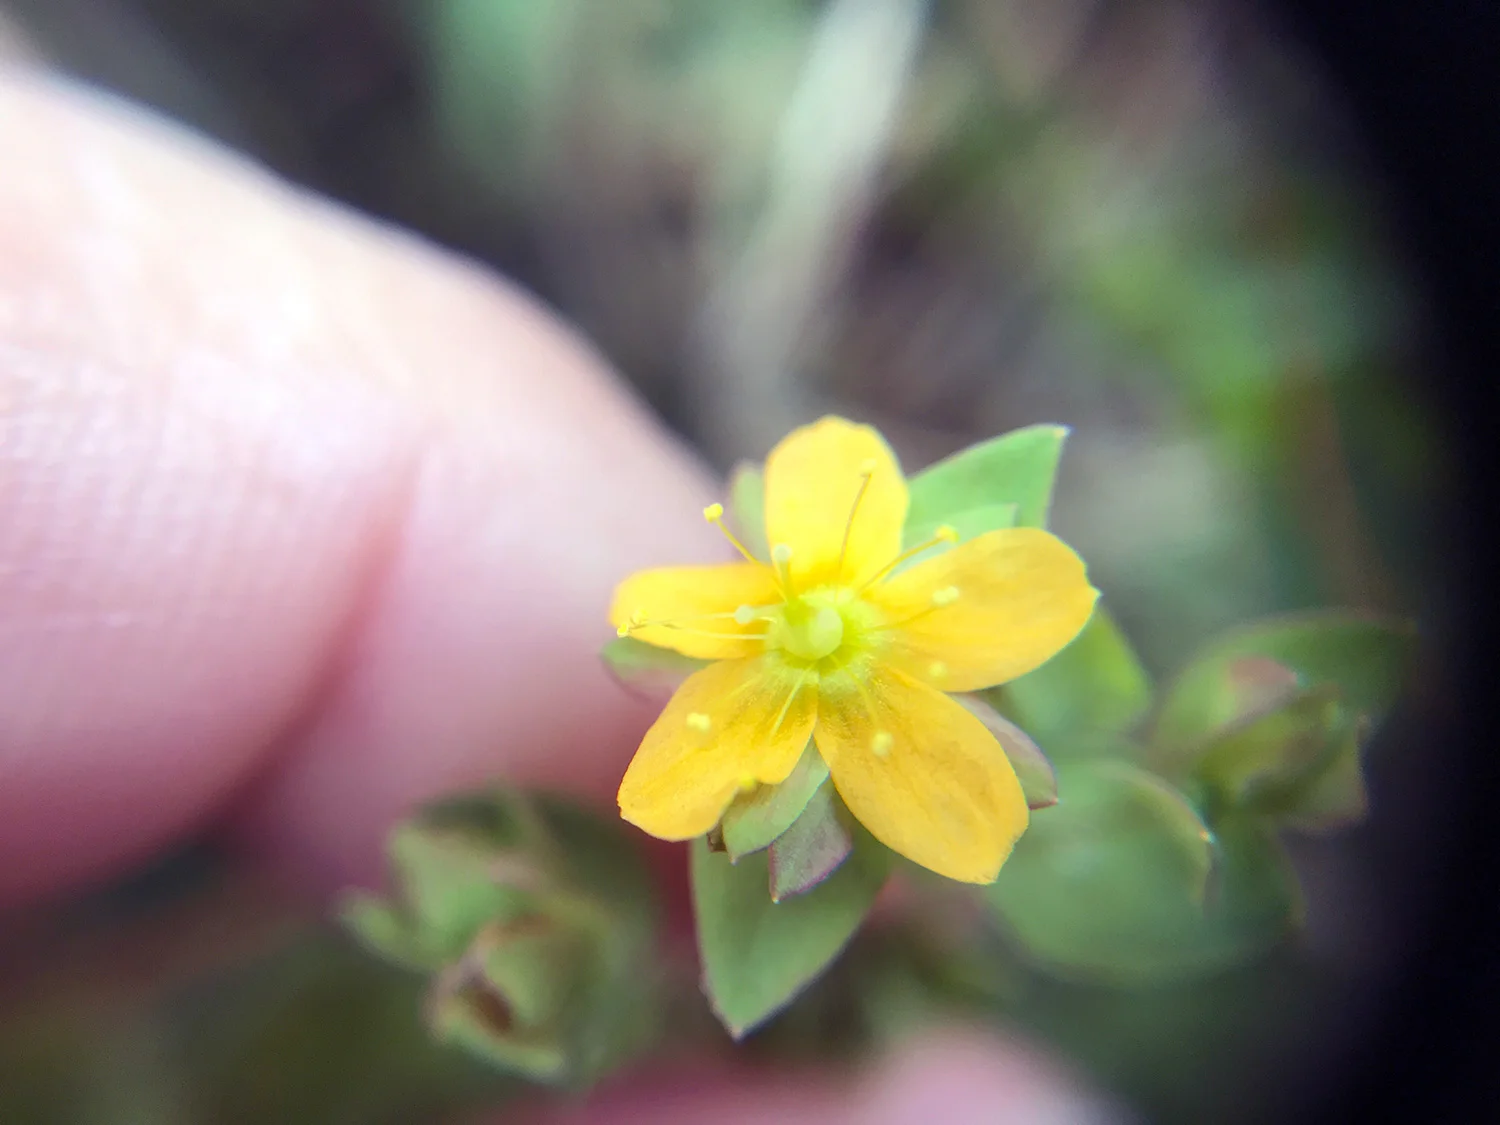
point(286, 498)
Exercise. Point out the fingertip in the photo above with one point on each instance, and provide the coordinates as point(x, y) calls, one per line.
point(955, 1077)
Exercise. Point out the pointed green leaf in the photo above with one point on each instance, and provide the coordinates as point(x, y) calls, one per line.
point(1256, 684)
point(1367, 657)
point(811, 849)
point(1037, 777)
point(450, 886)
point(758, 954)
point(1095, 686)
point(386, 932)
point(1334, 796)
point(539, 921)
point(969, 524)
point(1110, 881)
point(479, 1019)
point(756, 819)
point(1261, 757)
point(747, 507)
point(1015, 468)
point(647, 672)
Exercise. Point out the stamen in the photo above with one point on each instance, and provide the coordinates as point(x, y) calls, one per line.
point(787, 704)
point(744, 614)
point(866, 471)
point(714, 514)
point(699, 722)
point(781, 557)
point(943, 535)
point(637, 620)
point(748, 784)
point(882, 742)
point(938, 599)
point(937, 670)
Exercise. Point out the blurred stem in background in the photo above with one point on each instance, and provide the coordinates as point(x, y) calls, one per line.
point(780, 245)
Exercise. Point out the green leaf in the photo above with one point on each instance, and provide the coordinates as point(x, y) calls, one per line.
point(1095, 686)
point(758, 954)
point(1112, 880)
point(1015, 468)
point(755, 820)
point(1367, 657)
point(811, 849)
point(1334, 796)
point(449, 884)
point(1122, 883)
point(969, 524)
point(537, 920)
point(646, 671)
point(386, 932)
point(1261, 758)
point(747, 507)
point(1038, 778)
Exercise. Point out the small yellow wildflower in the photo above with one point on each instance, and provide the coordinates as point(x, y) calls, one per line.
point(830, 641)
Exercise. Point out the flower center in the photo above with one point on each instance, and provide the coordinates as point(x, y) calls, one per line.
point(810, 631)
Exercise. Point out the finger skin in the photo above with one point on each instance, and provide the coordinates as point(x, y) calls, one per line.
point(296, 512)
point(962, 1077)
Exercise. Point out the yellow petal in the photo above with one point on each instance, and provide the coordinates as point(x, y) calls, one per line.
point(813, 479)
point(734, 722)
point(696, 605)
point(986, 611)
point(922, 774)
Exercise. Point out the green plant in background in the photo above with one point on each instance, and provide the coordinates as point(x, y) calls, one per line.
point(1152, 854)
point(536, 923)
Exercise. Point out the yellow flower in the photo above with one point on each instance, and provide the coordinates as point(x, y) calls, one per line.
point(836, 640)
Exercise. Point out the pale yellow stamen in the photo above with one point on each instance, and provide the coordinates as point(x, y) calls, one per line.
point(945, 596)
point(699, 722)
point(748, 784)
point(744, 615)
point(937, 670)
point(882, 742)
point(781, 557)
point(866, 472)
point(714, 514)
point(638, 620)
point(944, 535)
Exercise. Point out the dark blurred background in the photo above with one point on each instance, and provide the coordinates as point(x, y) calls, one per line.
point(1175, 227)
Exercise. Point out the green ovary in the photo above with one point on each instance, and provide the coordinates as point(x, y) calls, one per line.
point(809, 631)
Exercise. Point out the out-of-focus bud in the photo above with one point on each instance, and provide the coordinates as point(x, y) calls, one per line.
point(537, 924)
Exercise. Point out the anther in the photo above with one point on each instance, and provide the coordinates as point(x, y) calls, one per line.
point(882, 742)
point(748, 784)
point(744, 615)
point(699, 722)
point(946, 532)
point(713, 513)
point(946, 596)
point(781, 554)
point(937, 670)
point(868, 466)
